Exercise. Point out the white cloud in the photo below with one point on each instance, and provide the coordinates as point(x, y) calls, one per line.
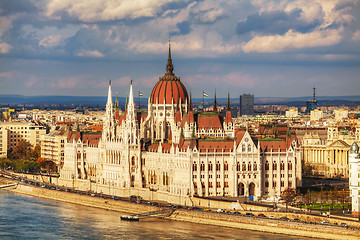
point(6, 24)
point(293, 40)
point(90, 53)
point(356, 36)
point(51, 41)
point(100, 10)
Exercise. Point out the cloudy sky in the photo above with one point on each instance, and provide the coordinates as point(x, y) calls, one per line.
point(268, 48)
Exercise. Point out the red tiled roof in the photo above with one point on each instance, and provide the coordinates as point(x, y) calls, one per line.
point(239, 136)
point(177, 117)
point(266, 146)
point(228, 117)
point(215, 146)
point(209, 121)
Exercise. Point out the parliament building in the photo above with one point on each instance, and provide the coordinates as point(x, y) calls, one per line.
point(173, 153)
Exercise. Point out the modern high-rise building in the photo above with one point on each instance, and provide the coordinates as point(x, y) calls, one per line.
point(246, 104)
point(311, 104)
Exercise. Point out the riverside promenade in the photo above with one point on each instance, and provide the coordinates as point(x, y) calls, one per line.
point(202, 217)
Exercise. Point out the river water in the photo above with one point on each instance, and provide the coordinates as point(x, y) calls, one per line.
point(23, 217)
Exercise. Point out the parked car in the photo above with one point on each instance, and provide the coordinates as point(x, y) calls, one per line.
point(249, 214)
point(343, 225)
point(271, 217)
point(296, 220)
point(207, 210)
point(219, 210)
point(261, 215)
point(237, 213)
point(284, 218)
point(324, 223)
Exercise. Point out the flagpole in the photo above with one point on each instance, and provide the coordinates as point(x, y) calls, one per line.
point(203, 100)
point(139, 101)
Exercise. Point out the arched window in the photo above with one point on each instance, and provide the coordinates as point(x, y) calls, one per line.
point(243, 148)
point(226, 166)
point(238, 167)
point(249, 166)
point(217, 166)
point(202, 166)
point(194, 167)
point(133, 161)
point(243, 166)
point(290, 166)
point(210, 166)
point(249, 148)
point(274, 166)
point(255, 167)
point(266, 165)
point(282, 166)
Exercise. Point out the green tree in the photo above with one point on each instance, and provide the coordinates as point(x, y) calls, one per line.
point(288, 195)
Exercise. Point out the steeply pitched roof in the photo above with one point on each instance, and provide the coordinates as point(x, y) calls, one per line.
point(207, 121)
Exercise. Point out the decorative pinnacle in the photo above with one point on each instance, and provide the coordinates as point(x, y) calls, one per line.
point(169, 65)
point(228, 103)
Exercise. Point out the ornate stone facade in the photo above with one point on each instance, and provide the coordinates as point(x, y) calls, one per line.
point(175, 153)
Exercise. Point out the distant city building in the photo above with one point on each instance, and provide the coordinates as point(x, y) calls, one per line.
point(292, 113)
point(53, 147)
point(18, 131)
point(246, 104)
point(316, 115)
point(341, 114)
point(354, 179)
point(3, 141)
point(325, 150)
point(311, 104)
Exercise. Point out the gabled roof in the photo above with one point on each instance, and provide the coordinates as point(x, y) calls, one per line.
point(339, 143)
point(239, 136)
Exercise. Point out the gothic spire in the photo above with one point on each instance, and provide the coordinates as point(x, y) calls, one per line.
point(215, 105)
point(131, 105)
point(228, 103)
point(169, 65)
point(116, 102)
point(109, 101)
point(190, 103)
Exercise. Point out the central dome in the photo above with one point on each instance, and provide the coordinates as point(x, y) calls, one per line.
point(169, 88)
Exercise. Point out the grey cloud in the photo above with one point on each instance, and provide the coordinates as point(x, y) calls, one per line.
point(277, 22)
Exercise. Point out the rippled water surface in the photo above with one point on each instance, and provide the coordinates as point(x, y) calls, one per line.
point(23, 217)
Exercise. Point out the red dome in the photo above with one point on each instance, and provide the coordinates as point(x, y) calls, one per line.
point(169, 88)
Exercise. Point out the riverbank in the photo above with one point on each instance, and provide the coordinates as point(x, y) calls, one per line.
point(210, 218)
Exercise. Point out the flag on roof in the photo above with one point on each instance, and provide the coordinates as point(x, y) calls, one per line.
point(205, 94)
point(140, 94)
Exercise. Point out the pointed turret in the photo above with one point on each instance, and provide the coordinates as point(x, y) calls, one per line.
point(116, 102)
point(228, 108)
point(215, 105)
point(190, 103)
point(228, 117)
point(169, 65)
point(131, 104)
point(109, 100)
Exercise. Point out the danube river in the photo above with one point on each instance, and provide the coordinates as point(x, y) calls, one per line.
point(23, 217)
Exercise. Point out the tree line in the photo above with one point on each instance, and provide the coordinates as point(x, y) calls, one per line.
point(23, 158)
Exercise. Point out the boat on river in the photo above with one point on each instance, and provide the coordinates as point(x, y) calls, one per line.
point(129, 218)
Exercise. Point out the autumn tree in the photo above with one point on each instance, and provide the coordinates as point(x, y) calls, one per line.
point(22, 150)
point(288, 195)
